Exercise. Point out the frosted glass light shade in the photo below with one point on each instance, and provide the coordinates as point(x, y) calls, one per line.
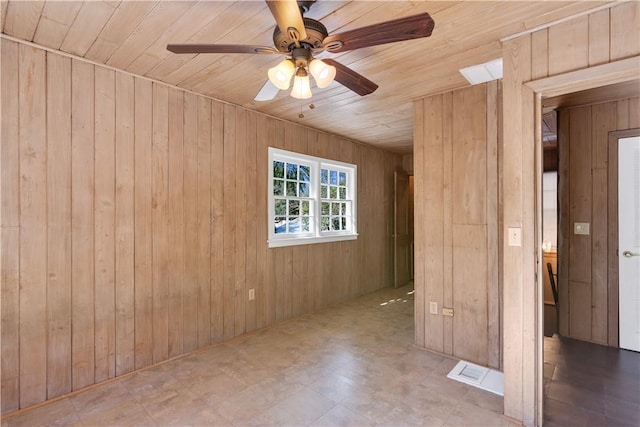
point(322, 73)
point(301, 87)
point(280, 75)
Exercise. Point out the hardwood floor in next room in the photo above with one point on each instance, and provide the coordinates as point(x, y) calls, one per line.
point(353, 364)
point(590, 385)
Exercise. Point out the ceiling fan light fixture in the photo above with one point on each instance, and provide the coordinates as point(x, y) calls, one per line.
point(322, 73)
point(281, 74)
point(301, 86)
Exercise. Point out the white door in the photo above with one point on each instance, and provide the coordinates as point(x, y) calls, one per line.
point(629, 241)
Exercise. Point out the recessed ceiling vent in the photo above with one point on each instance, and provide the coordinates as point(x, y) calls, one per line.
point(478, 376)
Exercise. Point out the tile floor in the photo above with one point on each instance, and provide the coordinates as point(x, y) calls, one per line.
point(353, 364)
point(590, 385)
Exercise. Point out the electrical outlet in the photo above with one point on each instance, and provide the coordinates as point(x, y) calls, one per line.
point(252, 294)
point(447, 311)
point(433, 307)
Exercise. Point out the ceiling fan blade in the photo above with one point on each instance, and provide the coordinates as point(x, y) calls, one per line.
point(268, 92)
point(219, 48)
point(411, 27)
point(287, 15)
point(352, 80)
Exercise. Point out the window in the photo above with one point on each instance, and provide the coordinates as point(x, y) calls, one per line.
point(311, 200)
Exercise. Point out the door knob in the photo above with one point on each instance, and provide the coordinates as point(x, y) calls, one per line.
point(629, 254)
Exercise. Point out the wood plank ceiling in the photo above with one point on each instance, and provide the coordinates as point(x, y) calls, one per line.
point(132, 36)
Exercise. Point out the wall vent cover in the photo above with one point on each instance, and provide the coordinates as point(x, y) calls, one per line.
point(478, 376)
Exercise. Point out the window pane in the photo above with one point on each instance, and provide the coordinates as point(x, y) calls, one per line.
point(333, 178)
point(325, 208)
point(335, 208)
point(344, 223)
point(278, 187)
point(292, 171)
point(291, 189)
point(305, 173)
point(324, 224)
point(305, 224)
point(344, 209)
point(281, 207)
point(294, 225)
point(278, 169)
point(304, 190)
point(333, 192)
point(335, 223)
point(294, 207)
point(323, 192)
point(343, 193)
point(280, 225)
point(343, 178)
point(324, 176)
point(305, 208)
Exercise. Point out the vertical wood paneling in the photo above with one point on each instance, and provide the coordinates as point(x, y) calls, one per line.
point(539, 46)
point(580, 193)
point(190, 332)
point(625, 20)
point(139, 224)
point(598, 38)
point(564, 226)
point(159, 221)
point(447, 159)
point(175, 201)
point(517, 69)
point(251, 219)
point(217, 224)
point(456, 181)
point(33, 208)
point(229, 156)
point(433, 220)
point(10, 228)
point(124, 225)
point(567, 50)
point(494, 348)
point(239, 216)
point(58, 225)
point(603, 117)
point(143, 224)
point(593, 314)
point(268, 289)
point(104, 255)
point(204, 221)
point(82, 223)
point(572, 45)
point(418, 178)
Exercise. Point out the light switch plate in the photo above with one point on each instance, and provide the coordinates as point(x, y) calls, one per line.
point(515, 236)
point(581, 228)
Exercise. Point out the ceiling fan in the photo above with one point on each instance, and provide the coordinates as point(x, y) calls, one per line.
point(300, 38)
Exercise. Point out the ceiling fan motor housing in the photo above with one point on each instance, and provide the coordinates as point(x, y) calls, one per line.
point(316, 32)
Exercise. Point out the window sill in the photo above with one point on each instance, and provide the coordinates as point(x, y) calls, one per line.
point(278, 243)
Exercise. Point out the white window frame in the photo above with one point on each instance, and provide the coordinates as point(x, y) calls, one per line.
point(315, 234)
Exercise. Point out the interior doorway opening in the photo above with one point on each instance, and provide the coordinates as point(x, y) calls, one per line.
point(587, 251)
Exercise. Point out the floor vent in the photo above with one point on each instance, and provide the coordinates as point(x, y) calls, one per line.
point(478, 376)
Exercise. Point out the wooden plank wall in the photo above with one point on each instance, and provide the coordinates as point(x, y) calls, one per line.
point(134, 224)
point(588, 310)
point(598, 38)
point(456, 236)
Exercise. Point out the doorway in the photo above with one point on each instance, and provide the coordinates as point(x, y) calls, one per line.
point(402, 229)
point(584, 243)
